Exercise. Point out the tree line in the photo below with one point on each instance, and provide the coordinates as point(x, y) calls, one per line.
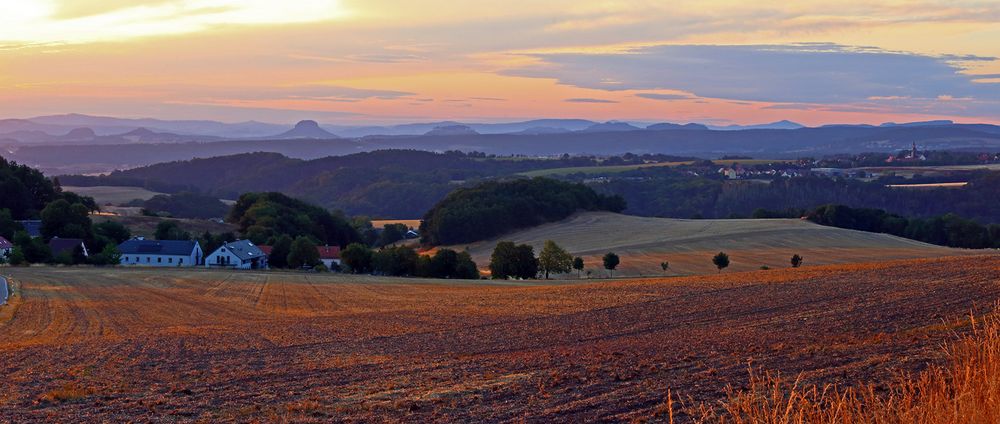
point(698, 192)
point(945, 230)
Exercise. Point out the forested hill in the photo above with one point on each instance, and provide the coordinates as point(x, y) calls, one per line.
point(385, 183)
point(499, 207)
point(24, 191)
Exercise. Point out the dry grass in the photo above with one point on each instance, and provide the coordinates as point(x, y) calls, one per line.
point(643, 243)
point(70, 392)
point(965, 391)
point(114, 195)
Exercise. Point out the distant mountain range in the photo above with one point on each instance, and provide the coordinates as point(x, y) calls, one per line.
point(86, 129)
point(83, 144)
point(77, 128)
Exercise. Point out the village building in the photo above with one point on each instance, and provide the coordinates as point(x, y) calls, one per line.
point(912, 156)
point(67, 245)
point(160, 253)
point(329, 255)
point(240, 254)
point(6, 248)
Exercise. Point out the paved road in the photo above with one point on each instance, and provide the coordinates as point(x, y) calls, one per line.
point(3, 291)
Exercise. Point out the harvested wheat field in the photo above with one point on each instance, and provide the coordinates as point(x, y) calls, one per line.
point(688, 245)
point(104, 195)
point(167, 345)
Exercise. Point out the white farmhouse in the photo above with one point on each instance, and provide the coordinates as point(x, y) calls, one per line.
point(240, 254)
point(161, 253)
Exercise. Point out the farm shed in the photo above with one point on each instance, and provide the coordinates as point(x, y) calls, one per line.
point(161, 253)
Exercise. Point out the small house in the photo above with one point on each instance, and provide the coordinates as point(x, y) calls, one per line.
point(329, 255)
point(240, 254)
point(67, 245)
point(6, 248)
point(160, 253)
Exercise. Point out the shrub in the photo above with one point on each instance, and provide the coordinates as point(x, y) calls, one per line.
point(721, 261)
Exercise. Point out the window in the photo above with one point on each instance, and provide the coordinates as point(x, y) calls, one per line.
point(147, 259)
point(170, 260)
point(180, 260)
point(126, 259)
point(159, 260)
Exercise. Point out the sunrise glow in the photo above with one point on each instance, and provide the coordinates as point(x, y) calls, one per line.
point(393, 61)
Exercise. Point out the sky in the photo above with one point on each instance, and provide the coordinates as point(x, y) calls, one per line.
point(391, 61)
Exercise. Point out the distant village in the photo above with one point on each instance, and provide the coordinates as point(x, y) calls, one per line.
point(140, 251)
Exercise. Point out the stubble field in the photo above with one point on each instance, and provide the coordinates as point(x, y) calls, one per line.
point(688, 245)
point(166, 345)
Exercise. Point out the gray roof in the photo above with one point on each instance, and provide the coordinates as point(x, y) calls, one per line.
point(244, 249)
point(157, 247)
point(32, 226)
point(60, 245)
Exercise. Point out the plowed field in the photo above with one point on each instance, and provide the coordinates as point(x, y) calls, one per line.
point(168, 345)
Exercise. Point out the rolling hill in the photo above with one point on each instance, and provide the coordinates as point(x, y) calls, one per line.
point(688, 245)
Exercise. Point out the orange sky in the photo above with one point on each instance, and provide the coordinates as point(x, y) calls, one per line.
point(382, 61)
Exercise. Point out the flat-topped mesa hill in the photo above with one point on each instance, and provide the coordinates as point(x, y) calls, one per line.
point(307, 130)
point(688, 245)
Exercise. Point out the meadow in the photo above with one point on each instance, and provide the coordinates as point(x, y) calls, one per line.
point(105, 195)
point(81, 344)
point(688, 245)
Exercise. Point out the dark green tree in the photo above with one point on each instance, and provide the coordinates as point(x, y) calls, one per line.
point(513, 261)
point(17, 257)
point(303, 253)
point(721, 261)
point(170, 230)
point(109, 256)
point(554, 259)
point(466, 268)
point(391, 233)
point(63, 219)
point(210, 242)
point(397, 261)
point(35, 250)
point(611, 261)
point(114, 231)
point(8, 226)
point(279, 252)
point(664, 266)
point(357, 258)
point(578, 265)
point(796, 261)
